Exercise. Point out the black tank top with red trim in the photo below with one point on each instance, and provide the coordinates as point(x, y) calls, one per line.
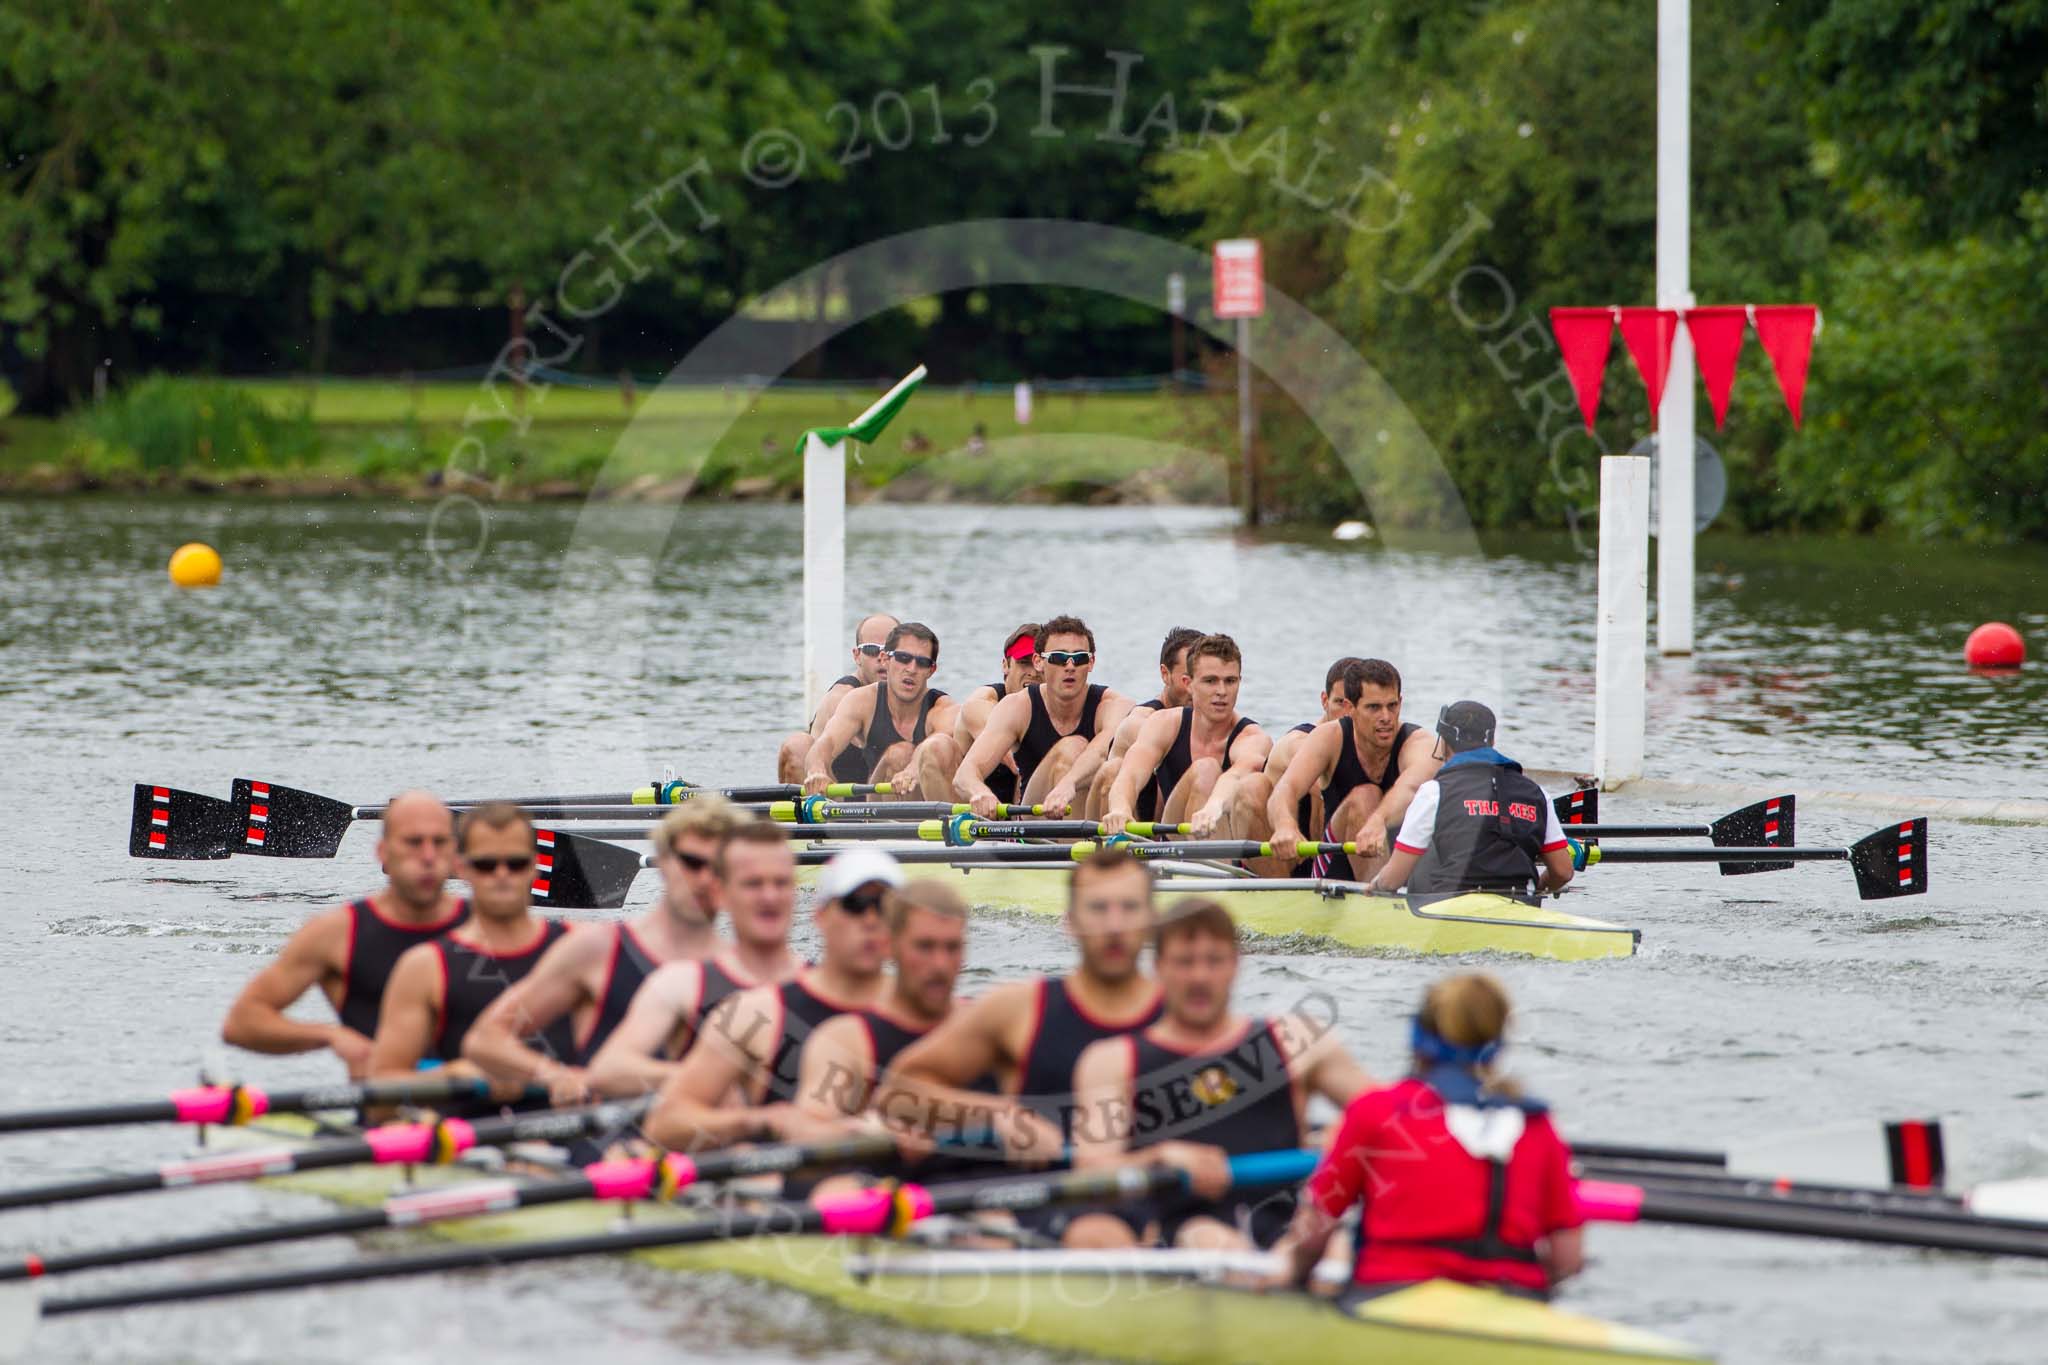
point(802, 1011)
point(1045, 1073)
point(887, 1038)
point(631, 964)
point(1350, 774)
point(374, 946)
point(714, 984)
point(1239, 1098)
point(1042, 734)
point(1180, 756)
point(472, 979)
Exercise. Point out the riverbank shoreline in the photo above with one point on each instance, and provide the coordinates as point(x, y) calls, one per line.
point(292, 439)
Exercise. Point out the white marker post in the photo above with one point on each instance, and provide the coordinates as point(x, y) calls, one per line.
point(1621, 622)
point(825, 537)
point(1238, 290)
point(1674, 290)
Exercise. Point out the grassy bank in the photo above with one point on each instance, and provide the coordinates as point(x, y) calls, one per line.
point(397, 438)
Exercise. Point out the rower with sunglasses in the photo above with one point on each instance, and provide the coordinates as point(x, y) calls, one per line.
point(348, 952)
point(440, 989)
point(752, 1044)
point(755, 875)
point(595, 973)
point(867, 668)
point(876, 730)
point(1058, 731)
point(938, 758)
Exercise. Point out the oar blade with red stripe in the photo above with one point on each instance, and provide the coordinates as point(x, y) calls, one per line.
point(283, 822)
point(1892, 861)
point(1766, 824)
point(571, 872)
point(180, 825)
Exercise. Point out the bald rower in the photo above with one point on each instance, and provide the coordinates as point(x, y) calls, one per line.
point(348, 952)
point(868, 638)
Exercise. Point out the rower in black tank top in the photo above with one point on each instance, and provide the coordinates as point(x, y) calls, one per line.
point(1002, 780)
point(1045, 1074)
point(802, 1010)
point(886, 1038)
point(473, 978)
point(1041, 735)
point(858, 764)
point(374, 946)
point(631, 964)
point(1239, 1098)
point(1351, 774)
point(1179, 758)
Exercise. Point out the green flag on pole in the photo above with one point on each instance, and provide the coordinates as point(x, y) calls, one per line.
point(867, 427)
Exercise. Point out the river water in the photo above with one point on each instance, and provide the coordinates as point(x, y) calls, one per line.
point(355, 648)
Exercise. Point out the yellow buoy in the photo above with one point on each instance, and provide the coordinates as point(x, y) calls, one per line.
point(195, 566)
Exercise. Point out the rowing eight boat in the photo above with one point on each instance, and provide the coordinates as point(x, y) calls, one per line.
point(1326, 911)
point(1112, 1314)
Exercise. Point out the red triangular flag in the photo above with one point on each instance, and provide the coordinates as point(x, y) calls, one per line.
point(1583, 338)
point(1648, 333)
point(1786, 331)
point(1716, 342)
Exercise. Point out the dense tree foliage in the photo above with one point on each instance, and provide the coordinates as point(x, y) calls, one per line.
point(205, 181)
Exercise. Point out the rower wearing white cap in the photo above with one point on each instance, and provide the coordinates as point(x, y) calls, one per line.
point(752, 1043)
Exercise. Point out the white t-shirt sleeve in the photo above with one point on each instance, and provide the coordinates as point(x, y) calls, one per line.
point(1419, 825)
point(1553, 828)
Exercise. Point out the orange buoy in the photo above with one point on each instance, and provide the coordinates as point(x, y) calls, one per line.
point(195, 566)
point(1994, 645)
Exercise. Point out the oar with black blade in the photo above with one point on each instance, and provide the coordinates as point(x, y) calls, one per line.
point(631, 1179)
point(234, 1104)
point(165, 822)
point(272, 820)
point(889, 1210)
point(392, 1144)
point(1771, 823)
point(2015, 1203)
point(1889, 862)
point(951, 832)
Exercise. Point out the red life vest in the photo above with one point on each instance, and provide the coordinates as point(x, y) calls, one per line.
point(1433, 1210)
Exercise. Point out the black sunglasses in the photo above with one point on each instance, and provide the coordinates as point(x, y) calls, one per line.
point(862, 903)
point(1060, 658)
point(490, 865)
point(696, 862)
point(872, 651)
point(904, 656)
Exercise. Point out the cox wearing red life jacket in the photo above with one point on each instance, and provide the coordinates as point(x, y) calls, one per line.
point(1461, 1177)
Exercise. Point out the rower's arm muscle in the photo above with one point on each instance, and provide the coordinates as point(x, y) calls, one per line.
point(1110, 714)
point(630, 1062)
point(846, 723)
point(555, 987)
point(828, 708)
point(411, 1013)
point(1418, 765)
point(1102, 1104)
point(314, 956)
point(689, 1111)
point(836, 1071)
point(1312, 758)
point(1141, 760)
point(1006, 724)
point(931, 1075)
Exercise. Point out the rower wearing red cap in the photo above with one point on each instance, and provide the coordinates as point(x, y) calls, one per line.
point(1462, 1176)
point(938, 758)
